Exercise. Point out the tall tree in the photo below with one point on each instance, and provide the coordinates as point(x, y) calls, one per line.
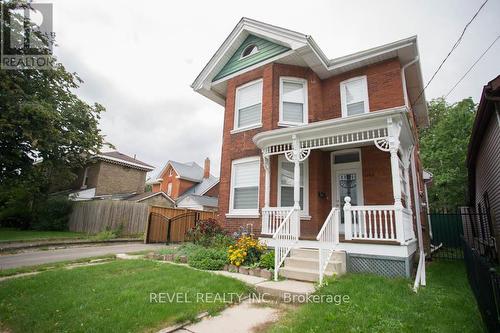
point(443, 148)
point(46, 131)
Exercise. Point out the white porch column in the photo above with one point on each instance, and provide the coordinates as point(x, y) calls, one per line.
point(296, 172)
point(296, 155)
point(393, 130)
point(267, 180)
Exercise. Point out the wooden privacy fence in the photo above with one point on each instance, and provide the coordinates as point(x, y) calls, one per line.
point(95, 216)
point(171, 224)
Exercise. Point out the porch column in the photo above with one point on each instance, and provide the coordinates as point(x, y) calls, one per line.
point(393, 131)
point(393, 149)
point(267, 180)
point(296, 172)
point(296, 155)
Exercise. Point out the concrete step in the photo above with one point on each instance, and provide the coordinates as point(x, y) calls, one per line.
point(300, 274)
point(289, 291)
point(308, 263)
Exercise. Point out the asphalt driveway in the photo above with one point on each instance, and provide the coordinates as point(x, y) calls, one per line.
point(70, 253)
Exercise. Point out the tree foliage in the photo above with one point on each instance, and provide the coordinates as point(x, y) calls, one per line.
point(46, 131)
point(443, 149)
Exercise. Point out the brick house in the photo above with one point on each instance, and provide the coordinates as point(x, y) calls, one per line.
point(483, 163)
point(110, 174)
point(321, 153)
point(188, 184)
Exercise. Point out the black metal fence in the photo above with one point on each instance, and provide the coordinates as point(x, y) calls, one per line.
point(485, 284)
point(448, 228)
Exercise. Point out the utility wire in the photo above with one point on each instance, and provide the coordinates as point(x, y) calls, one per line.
point(471, 67)
point(451, 51)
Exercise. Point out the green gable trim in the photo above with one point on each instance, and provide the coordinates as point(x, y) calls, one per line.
point(266, 48)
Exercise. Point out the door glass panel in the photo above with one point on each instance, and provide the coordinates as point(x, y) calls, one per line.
point(347, 187)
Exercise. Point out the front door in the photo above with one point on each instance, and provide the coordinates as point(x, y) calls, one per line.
point(347, 172)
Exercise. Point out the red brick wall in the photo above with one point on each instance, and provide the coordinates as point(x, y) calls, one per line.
point(384, 90)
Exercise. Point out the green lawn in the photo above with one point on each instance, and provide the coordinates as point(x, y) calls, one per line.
point(113, 297)
point(379, 304)
point(16, 235)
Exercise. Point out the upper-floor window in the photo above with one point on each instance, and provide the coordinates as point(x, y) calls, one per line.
point(249, 50)
point(244, 195)
point(169, 189)
point(293, 101)
point(354, 96)
point(248, 110)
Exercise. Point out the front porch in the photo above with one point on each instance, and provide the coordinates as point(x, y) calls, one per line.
point(340, 185)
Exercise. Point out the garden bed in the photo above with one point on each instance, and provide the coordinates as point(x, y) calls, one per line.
point(213, 249)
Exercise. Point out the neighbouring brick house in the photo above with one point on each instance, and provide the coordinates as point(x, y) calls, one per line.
point(321, 152)
point(110, 175)
point(188, 184)
point(483, 163)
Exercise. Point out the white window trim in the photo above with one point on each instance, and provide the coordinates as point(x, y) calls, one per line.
point(237, 129)
point(169, 189)
point(243, 213)
point(281, 122)
point(304, 213)
point(343, 97)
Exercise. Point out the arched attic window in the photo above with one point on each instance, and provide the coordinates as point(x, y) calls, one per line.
point(249, 50)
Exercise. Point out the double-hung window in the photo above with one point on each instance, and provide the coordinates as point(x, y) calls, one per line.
point(244, 197)
point(293, 101)
point(285, 185)
point(248, 107)
point(354, 96)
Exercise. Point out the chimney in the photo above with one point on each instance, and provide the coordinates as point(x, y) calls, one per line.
point(206, 169)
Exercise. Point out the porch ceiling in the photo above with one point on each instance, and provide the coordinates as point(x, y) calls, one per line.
point(340, 132)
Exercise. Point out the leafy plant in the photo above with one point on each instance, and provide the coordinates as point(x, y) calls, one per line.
point(443, 148)
point(267, 260)
point(209, 259)
point(247, 251)
point(205, 232)
point(104, 235)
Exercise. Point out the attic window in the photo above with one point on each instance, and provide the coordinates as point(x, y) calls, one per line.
point(249, 50)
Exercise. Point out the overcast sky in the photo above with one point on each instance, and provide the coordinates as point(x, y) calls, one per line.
point(138, 59)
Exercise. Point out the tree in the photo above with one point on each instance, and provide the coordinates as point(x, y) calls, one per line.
point(443, 149)
point(46, 131)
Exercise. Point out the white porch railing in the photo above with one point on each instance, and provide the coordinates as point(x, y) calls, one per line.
point(272, 217)
point(328, 238)
point(385, 223)
point(286, 236)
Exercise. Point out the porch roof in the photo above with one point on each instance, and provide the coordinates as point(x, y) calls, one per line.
point(364, 128)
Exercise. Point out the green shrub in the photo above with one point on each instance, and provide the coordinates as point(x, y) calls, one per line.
point(53, 214)
point(267, 260)
point(221, 241)
point(204, 232)
point(209, 259)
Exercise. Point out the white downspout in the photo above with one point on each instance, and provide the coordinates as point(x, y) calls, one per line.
point(420, 278)
point(403, 80)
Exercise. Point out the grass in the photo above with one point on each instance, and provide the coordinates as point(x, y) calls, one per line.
point(114, 297)
point(50, 266)
point(379, 304)
point(16, 235)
